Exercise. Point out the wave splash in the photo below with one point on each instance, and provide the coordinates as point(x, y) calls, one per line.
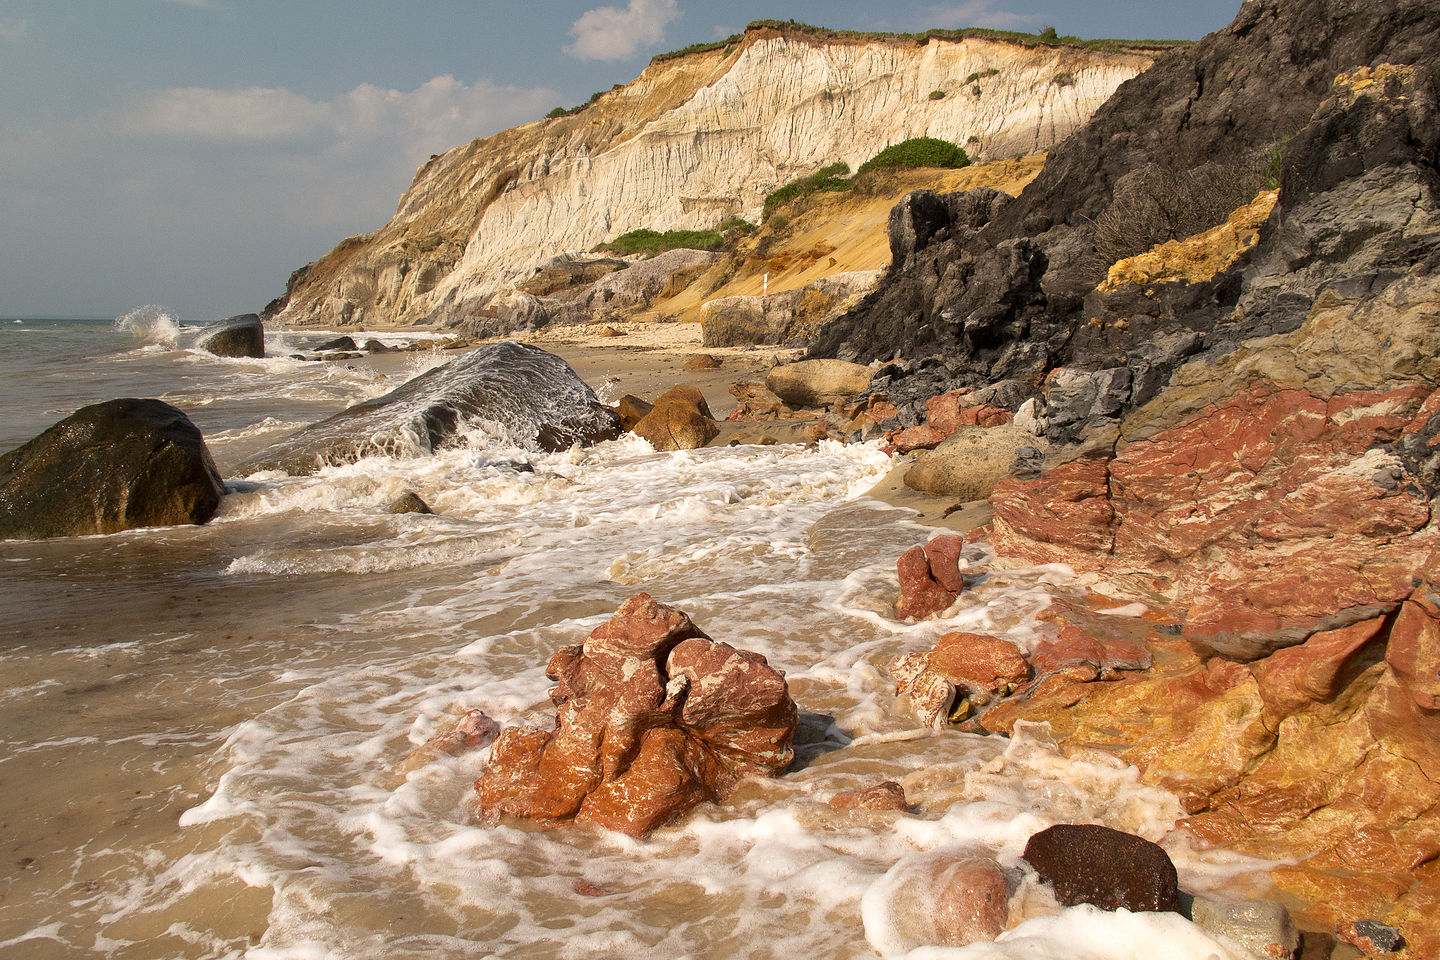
point(150, 325)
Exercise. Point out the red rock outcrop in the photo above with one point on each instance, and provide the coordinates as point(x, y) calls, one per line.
point(1271, 516)
point(944, 414)
point(930, 577)
point(652, 718)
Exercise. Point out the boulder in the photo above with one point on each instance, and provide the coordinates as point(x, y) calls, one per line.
point(376, 346)
point(108, 467)
point(533, 396)
point(1088, 863)
point(454, 735)
point(679, 420)
point(701, 361)
point(931, 695)
point(969, 464)
point(930, 577)
point(409, 502)
point(238, 336)
point(936, 899)
point(979, 663)
point(883, 796)
point(652, 718)
point(1262, 927)
point(818, 383)
point(632, 409)
point(339, 343)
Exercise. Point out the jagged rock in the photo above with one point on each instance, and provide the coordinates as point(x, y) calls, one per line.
point(1356, 214)
point(924, 573)
point(883, 796)
point(1262, 927)
point(816, 383)
point(1259, 513)
point(1087, 863)
point(978, 663)
point(931, 695)
point(679, 420)
point(239, 336)
point(409, 502)
point(533, 395)
point(1371, 936)
point(653, 717)
point(108, 467)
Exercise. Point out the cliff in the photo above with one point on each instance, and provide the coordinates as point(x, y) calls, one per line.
point(694, 141)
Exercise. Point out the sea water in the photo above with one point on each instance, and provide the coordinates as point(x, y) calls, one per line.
point(204, 730)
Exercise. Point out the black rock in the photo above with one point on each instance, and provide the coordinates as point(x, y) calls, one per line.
point(108, 467)
point(241, 336)
point(375, 346)
point(339, 343)
point(1092, 864)
point(1007, 289)
point(534, 396)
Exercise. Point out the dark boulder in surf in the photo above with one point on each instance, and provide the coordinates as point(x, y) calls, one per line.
point(533, 397)
point(108, 467)
point(1088, 863)
point(242, 336)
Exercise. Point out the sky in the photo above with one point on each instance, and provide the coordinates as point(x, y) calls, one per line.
point(192, 153)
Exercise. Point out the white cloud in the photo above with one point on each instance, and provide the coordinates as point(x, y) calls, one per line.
point(13, 31)
point(206, 199)
point(609, 33)
point(973, 13)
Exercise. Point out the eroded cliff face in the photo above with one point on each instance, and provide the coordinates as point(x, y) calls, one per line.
point(692, 142)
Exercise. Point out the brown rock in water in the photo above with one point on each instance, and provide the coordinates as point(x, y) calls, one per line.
point(941, 900)
point(921, 595)
point(679, 420)
point(453, 736)
point(930, 577)
point(653, 717)
point(883, 796)
point(632, 410)
point(109, 467)
point(931, 695)
point(980, 663)
point(1087, 863)
point(410, 502)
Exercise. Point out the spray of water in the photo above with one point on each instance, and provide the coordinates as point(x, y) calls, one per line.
point(150, 324)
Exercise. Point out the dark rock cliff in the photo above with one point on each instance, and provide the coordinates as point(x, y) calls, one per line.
point(986, 290)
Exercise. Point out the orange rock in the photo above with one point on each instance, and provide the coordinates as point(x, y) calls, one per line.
point(679, 420)
point(652, 717)
point(921, 595)
point(883, 796)
point(1414, 648)
point(978, 662)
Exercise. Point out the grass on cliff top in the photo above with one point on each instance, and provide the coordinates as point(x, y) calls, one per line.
point(919, 152)
point(1045, 38)
point(653, 242)
point(829, 179)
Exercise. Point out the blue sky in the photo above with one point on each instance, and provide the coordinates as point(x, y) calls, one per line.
point(191, 153)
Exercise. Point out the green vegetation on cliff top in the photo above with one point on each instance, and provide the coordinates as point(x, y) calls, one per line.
point(1046, 38)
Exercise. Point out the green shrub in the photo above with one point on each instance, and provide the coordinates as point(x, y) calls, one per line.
point(744, 227)
point(1063, 79)
point(975, 90)
point(918, 152)
point(653, 242)
point(937, 94)
point(829, 179)
point(982, 74)
point(557, 112)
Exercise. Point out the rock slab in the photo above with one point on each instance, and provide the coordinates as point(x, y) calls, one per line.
point(109, 467)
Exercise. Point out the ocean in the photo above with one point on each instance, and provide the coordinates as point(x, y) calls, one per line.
point(204, 730)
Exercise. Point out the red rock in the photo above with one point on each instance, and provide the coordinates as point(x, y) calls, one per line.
point(943, 555)
point(652, 717)
point(921, 437)
point(1414, 648)
point(921, 595)
point(944, 411)
point(942, 901)
point(1272, 515)
point(1318, 669)
point(978, 662)
point(973, 903)
point(883, 796)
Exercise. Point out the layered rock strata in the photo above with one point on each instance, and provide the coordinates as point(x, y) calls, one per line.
point(693, 142)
